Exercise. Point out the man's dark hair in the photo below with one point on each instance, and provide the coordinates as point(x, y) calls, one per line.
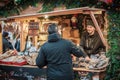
point(52, 28)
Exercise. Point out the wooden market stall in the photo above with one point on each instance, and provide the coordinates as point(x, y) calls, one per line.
point(39, 22)
point(35, 25)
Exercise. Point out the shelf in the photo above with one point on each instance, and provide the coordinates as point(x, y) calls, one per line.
point(43, 33)
point(88, 70)
point(42, 40)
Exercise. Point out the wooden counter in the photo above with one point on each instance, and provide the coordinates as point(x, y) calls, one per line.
point(25, 72)
point(34, 71)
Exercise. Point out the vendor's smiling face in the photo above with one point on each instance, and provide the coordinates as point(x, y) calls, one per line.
point(90, 29)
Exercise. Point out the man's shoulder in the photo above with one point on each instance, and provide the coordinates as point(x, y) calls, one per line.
point(44, 44)
point(66, 40)
point(63, 40)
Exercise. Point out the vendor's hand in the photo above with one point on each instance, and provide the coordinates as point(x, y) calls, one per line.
point(15, 51)
point(87, 58)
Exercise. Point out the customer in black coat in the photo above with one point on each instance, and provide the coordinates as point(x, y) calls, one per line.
point(56, 55)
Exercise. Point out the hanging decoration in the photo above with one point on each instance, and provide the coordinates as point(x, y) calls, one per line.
point(74, 21)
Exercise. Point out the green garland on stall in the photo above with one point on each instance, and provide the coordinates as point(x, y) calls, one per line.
point(113, 71)
point(16, 6)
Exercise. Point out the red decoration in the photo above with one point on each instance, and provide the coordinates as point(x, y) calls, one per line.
point(74, 21)
point(107, 1)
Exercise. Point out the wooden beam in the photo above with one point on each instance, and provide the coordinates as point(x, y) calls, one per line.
point(52, 13)
point(89, 70)
point(83, 10)
point(94, 12)
point(21, 37)
point(98, 29)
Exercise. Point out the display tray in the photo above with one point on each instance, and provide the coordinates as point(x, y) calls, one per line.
point(13, 63)
point(89, 70)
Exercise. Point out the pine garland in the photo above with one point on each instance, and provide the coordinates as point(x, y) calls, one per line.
point(113, 71)
point(16, 6)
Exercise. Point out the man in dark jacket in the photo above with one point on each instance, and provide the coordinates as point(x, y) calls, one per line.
point(17, 43)
point(10, 44)
point(91, 41)
point(6, 45)
point(56, 55)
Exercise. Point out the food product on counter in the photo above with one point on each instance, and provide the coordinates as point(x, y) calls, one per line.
point(6, 54)
point(19, 59)
point(96, 62)
point(14, 59)
point(31, 59)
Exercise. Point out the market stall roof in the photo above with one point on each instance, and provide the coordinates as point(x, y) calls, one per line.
point(83, 10)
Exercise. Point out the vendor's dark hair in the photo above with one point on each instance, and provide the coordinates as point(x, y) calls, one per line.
point(90, 22)
point(52, 28)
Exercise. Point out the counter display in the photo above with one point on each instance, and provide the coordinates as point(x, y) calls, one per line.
point(22, 65)
point(25, 72)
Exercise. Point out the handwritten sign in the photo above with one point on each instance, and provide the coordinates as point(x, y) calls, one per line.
point(33, 28)
point(33, 25)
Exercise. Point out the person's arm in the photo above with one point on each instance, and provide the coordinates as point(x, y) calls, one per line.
point(76, 50)
point(8, 45)
point(40, 60)
point(11, 46)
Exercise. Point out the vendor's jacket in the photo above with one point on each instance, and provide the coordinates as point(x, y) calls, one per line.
point(92, 44)
point(56, 54)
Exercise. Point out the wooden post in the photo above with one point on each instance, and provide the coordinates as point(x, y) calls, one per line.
point(35, 42)
point(21, 37)
point(98, 29)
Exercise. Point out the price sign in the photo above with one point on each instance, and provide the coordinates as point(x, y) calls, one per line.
point(33, 25)
point(33, 28)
